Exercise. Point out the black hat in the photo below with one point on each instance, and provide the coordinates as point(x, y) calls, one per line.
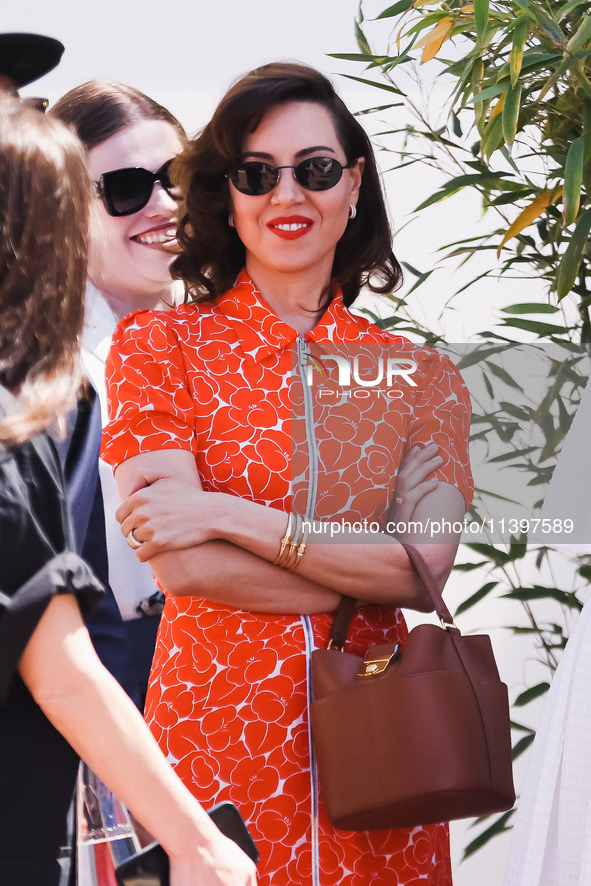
point(26, 57)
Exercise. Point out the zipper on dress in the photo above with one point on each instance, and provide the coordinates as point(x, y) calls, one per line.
point(309, 424)
point(302, 355)
point(310, 646)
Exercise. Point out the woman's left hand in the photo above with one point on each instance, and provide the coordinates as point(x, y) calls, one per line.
point(413, 480)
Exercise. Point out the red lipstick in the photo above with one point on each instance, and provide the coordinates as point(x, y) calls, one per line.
point(290, 227)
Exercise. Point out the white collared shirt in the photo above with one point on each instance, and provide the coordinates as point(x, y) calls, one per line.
point(130, 580)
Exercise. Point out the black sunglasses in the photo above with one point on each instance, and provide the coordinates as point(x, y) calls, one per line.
point(256, 178)
point(125, 191)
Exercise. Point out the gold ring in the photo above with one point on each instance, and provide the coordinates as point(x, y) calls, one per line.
point(132, 541)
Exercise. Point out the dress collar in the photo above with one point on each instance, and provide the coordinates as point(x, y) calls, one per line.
point(262, 332)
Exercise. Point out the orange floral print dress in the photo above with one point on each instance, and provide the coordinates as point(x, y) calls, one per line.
point(228, 696)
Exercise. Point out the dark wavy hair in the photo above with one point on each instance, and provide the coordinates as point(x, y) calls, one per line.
point(99, 109)
point(212, 253)
point(44, 203)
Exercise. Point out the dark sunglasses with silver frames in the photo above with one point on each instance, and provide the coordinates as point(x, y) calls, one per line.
point(256, 177)
point(125, 191)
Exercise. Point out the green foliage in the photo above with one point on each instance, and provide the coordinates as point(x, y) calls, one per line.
point(517, 131)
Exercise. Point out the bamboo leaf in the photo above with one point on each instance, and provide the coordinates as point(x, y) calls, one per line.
point(549, 26)
point(515, 411)
point(579, 71)
point(542, 593)
point(488, 93)
point(366, 82)
point(573, 180)
point(500, 558)
point(520, 34)
point(528, 215)
point(538, 328)
point(571, 260)
point(433, 40)
point(492, 137)
point(475, 598)
point(498, 827)
point(481, 17)
point(362, 41)
point(478, 356)
point(396, 9)
point(530, 694)
point(569, 7)
point(498, 108)
point(504, 376)
point(354, 56)
point(522, 745)
point(587, 131)
point(510, 113)
point(530, 308)
point(581, 36)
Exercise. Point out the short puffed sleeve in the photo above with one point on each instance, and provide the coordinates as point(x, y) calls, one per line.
point(442, 414)
point(35, 539)
point(150, 406)
point(21, 611)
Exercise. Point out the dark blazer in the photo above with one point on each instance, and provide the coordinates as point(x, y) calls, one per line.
point(79, 454)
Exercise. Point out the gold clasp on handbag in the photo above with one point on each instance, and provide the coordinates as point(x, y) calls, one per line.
point(377, 663)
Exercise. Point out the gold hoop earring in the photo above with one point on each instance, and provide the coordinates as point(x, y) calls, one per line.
point(352, 211)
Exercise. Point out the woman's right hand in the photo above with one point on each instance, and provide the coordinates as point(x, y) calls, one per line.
point(220, 863)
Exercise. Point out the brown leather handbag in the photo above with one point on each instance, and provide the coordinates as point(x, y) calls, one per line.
point(411, 736)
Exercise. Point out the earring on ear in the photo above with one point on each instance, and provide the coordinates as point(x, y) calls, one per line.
point(231, 221)
point(352, 211)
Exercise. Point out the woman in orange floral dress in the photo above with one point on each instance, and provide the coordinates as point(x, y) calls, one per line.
point(224, 420)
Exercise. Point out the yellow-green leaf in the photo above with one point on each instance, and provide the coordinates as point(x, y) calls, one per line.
point(581, 36)
point(571, 260)
point(573, 180)
point(516, 57)
point(528, 215)
point(568, 7)
point(498, 108)
point(587, 131)
point(481, 17)
point(492, 137)
point(511, 113)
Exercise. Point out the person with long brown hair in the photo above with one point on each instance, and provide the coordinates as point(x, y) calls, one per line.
point(56, 699)
point(285, 222)
point(130, 141)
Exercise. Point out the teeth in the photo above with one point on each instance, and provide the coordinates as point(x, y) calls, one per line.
point(161, 237)
point(294, 227)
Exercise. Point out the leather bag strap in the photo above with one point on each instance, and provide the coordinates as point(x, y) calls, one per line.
point(347, 605)
point(342, 620)
point(424, 573)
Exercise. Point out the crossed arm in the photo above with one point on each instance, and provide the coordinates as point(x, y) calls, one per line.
point(222, 547)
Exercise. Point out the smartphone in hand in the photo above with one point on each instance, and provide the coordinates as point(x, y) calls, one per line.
point(150, 867)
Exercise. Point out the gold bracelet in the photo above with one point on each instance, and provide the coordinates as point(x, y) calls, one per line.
point(284, 543)
point(301, 549)
point(291, 556)
point(297, 546)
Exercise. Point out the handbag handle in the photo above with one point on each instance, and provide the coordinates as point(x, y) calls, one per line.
point(346, 608)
